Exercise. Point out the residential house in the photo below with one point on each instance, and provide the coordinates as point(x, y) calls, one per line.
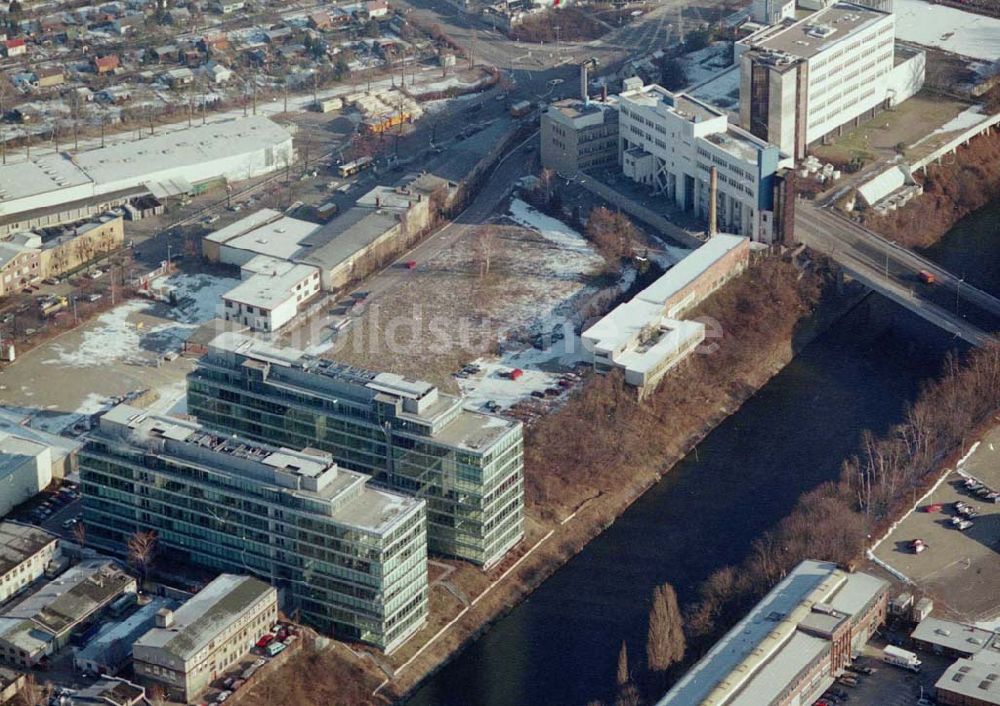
point(15, 47)
point(105, 64)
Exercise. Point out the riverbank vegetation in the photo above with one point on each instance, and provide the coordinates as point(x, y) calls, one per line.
point(876, 487)
point(963, 183)
point(604, 437)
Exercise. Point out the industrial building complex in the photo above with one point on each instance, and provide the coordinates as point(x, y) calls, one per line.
point(671, 142)
point(58, 187)
point(792, 645)
point(350, 558)
point(405, 433)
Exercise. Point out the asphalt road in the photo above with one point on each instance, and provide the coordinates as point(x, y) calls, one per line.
point(894, 270)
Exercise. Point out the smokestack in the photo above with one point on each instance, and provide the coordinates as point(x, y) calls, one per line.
point(604, 93)
point(584, 93)
point(713, 194)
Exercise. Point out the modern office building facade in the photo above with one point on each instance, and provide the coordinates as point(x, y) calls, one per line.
point(350, 558)
point(406, 434)
point(802, 79)
point(671, 142)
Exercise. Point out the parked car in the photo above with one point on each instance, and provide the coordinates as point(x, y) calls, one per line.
point(264, 641)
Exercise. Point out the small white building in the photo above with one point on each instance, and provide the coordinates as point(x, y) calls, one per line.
point(637, 338)
point(645, 336)
point(271, 294)
point(25, 470)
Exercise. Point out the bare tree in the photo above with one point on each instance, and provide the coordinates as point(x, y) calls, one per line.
point(628, 695)
point(80, 534)
point(665, 637)
point(141, 550)
point(485, 246)
point(35, 693)
point(623, 677)
point(156, 695)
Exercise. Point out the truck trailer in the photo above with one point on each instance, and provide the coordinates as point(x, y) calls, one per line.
point(901, 658)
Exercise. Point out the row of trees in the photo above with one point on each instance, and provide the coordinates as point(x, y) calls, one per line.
point(665, 648)
point(604, 438)
point(834, 520)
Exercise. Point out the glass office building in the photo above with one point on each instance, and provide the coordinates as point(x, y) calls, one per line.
point(349, 558)
point(405, 433)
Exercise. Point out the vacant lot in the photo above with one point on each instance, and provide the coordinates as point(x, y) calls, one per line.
point(498, 281)
point(906, 125)
point(959, 569)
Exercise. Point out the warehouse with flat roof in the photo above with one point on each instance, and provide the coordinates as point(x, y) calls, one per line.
point(168, 163)
point(793, 643)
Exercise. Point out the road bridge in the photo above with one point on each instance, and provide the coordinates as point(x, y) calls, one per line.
point(894, 271)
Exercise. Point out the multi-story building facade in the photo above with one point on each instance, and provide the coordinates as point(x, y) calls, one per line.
point(350, 558)
point(792, 645)
point(407, 434)
point(191, 647)
point(672, 142)
point(40, 625)
point(578, 135)
point(25, 554)
point(801, 80)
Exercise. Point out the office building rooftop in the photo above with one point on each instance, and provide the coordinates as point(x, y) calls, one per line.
point(414, 399)
point(305, 474)
point(978, 682)
point(15, 451)
point(816, 33)
point(756, 660)
point(19, 543)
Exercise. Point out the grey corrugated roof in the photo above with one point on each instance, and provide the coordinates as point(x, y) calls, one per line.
point(206, 614)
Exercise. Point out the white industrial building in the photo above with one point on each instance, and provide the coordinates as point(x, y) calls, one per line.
point(802, 79)
point(644, 337)
point(671, 142)
point(264, 232)
point(168, 163)
point(271, 293)
point(25, 470)
point(792, 644)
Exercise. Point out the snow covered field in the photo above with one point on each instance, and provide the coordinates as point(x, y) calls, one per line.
point(948, 28)
point(119, 334)
point(90, 369)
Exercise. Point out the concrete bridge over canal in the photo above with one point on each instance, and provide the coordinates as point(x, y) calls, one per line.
point(892, 270)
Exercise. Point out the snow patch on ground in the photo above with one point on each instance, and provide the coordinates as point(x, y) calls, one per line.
point(542, 370)
point(552, 229)
point(970, 117)
point(705, 63)
point(948, 28)
point(115, 335)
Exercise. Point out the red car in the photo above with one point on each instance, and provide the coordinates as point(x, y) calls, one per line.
point(265, 641)
point(411, 265)
point(934, 507)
